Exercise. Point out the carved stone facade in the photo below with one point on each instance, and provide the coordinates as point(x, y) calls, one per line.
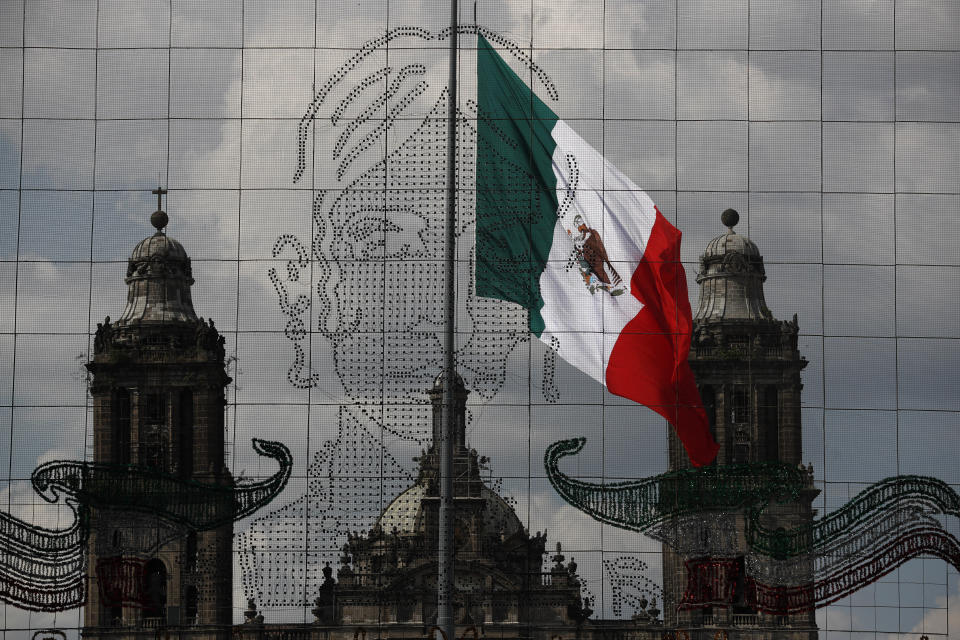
point(747, 366)
point(158, 379)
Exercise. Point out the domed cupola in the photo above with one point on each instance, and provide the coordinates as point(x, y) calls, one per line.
point(158, 278)
point(731, 278)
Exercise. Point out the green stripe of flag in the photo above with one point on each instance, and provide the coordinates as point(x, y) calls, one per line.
point(516, 186)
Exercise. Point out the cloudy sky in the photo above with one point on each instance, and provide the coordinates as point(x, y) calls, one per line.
point(833, 128)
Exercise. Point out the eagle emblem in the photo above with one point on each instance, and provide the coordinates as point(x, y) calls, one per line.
point(590, 256)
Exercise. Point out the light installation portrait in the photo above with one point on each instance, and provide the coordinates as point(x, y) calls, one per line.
point(509, 318)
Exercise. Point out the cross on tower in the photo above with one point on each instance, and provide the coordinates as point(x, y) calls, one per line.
point(158, 218)
point(159, 191)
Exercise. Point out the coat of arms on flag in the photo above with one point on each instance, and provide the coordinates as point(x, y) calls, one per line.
point(590, 256)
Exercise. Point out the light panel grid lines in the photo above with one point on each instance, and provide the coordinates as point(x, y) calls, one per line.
point(301, 148)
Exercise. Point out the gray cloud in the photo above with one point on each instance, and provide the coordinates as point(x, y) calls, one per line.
point(712, 85)
point(705, 24)
point(928, 89)
point(858, 85)
point(11, 79)
point(928, 24)
point(784, 25)
point(784, 85)
point(785, 156)
point(858, 24)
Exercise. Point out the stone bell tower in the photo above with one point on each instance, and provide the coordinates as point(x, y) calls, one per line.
point(158, 379)
point(747, 367)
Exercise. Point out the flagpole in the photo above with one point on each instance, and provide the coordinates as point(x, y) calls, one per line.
point(445, 550)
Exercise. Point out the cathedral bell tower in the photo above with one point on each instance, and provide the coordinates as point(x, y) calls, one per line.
point(158, 378)
point(747, 367)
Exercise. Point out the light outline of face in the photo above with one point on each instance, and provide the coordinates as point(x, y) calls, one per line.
point(345, 313)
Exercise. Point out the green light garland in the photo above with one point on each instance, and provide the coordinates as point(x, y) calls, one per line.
point(134, 488)
point(638, 505)
point(45, 569)
point(787, 570)
point(922, 493)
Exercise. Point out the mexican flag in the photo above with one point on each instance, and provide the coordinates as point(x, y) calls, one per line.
point(563, 233)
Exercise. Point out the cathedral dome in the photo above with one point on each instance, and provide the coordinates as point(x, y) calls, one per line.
point(159, 246)
point(407, 514)
point(728, 243)
point(731, 277)
point(159, 277)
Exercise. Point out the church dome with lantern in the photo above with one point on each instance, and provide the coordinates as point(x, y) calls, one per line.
point(731, 277)
point(159, 277)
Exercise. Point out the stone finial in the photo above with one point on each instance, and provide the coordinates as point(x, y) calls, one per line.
point(730, 218)
point(559, 557)
point(251, 615)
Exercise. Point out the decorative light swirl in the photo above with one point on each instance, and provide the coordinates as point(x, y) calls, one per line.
point(716, 581)
point(197, 505)
point(45, 569)
point(781, 571)
point(922, 492)
point(638, 505)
